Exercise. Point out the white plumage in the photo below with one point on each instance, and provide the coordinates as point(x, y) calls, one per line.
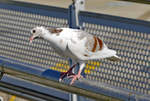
point(76, 44)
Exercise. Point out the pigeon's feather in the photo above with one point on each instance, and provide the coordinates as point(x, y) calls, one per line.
point(114, 58)
point(83, 54)
point(87, 47)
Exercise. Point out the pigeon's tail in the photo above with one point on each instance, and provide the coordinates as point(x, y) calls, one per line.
point(114, 58)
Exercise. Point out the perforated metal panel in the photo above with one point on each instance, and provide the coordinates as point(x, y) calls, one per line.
point(15, 26)
point(129, 37)
point(131, 41)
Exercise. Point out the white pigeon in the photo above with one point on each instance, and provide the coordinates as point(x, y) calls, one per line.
point(76, 44)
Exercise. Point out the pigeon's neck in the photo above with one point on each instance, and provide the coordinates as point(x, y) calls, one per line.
point(50, 38)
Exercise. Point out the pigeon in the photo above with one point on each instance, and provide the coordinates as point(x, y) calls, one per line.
point(75, 44)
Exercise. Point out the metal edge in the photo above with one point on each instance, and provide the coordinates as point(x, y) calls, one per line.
point(138, 1)
point(26, 93)
point(40, 91)
point(115, 18)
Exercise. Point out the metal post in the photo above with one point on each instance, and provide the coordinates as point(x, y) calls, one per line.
point(74, 10)
point(79, 6)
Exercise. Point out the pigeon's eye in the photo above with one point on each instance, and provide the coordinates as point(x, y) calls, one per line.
point(33, 31)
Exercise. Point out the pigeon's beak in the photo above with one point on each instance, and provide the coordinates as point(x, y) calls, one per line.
point(31, 39)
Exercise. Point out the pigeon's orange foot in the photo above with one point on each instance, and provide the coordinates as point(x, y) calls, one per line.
point(66, 74)
point(74, 78)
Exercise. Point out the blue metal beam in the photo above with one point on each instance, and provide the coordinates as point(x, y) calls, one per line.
point(31, 90)
point(72, 17)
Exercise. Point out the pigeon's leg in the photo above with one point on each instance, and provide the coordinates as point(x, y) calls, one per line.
point(66, 74)
point(77, 76)
point(69, 72)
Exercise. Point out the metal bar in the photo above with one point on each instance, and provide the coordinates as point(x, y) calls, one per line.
point(74, 9)
point(57, 85)
point(43, 90)
point(72, 17)
point(7, 69)
point(79, 6)
point(26, 93)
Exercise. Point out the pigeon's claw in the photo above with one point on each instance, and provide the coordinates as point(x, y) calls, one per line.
point(66, 74)
point(62, 76)
point(74, 78)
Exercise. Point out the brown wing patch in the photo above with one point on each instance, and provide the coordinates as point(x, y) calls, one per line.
point(100, 43)
point(55, 30)
point(95, 44)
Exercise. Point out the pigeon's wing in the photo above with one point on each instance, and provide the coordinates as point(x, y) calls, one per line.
point(88, 47)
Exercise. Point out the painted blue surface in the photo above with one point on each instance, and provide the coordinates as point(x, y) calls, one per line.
point(72, 21)
point(51, 74)
point(72, 17)
point(4, 61)
point(35, 10)
point(42, 89)
point(22, 68)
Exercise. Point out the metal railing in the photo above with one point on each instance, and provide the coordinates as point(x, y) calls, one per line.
point(32, 74)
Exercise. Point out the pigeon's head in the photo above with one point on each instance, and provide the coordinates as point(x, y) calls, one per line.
point(36, 32)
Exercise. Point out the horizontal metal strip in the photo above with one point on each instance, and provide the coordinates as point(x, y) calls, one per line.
point(29, 17)
point(114, 21)
point(34, 8)
point(26, 93)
